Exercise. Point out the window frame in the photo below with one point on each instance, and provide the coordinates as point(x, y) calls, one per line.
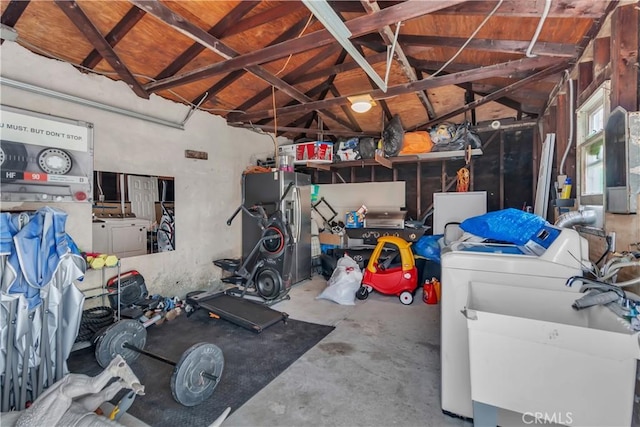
point(586, 138)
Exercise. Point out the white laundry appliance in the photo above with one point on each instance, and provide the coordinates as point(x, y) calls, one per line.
point(546, 262)
point(123, 237)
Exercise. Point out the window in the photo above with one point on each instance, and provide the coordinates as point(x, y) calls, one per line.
point(593, 167)
point(592, 116)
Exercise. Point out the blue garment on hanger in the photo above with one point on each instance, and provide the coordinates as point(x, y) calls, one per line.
point(37, 249)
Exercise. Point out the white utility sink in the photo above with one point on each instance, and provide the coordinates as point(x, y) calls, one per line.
point(531, 353)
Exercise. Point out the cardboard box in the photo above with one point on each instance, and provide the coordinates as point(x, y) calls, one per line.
point(319, 152)
point(354, 220)
point(330, 239)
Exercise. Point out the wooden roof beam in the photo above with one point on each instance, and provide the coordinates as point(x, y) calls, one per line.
point(497, 70)
point(13, 12)
point(233, 76)
point(388, 36)
point(498, 94)
point(194, 32)
point(358, 26)
point(265, 17)
point(562, 50)
point(86, 27)
point(290, 77)
point(218, 30)
point(128, 21)
point(588, 9)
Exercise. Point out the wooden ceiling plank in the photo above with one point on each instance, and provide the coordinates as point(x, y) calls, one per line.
point(507, 102)
point(389, 36)
point(194, 32)
point(357, 26)
point(328, 84)
point(504, 46)
point(598, 22)
point(86, 27)
point(310, 93)
point(220, 85)
point(497, 70)
point(128, 21)
point(217, 30)
point(588, 9)
point(13, 12)
point(509, 8)
point(346, 110)
point(340, 68)
point(275, 13)
point(260, 96)
point(498, 94)
point(291, 32)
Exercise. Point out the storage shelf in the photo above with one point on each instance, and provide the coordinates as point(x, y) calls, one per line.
point(390, 161)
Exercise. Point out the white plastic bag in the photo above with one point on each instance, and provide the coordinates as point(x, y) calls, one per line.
point(343, 283)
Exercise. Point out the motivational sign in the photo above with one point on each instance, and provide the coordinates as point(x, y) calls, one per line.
point(29, 129)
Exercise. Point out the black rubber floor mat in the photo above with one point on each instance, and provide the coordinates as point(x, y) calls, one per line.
point(251, 362)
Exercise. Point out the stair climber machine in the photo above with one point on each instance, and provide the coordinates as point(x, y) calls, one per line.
point(262, 279)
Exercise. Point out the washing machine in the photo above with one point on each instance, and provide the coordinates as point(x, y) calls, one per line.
point(546, 262)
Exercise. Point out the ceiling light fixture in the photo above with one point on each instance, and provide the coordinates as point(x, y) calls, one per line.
point(361, 103)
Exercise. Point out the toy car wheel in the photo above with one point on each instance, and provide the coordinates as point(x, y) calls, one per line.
point(369, 288)
point(362, 293)
point(406, 298)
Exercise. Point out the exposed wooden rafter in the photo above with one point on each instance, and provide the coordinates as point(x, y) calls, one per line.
point(588, 9)
point(217, 31)
point(84, 24)
point(498, 94)
point(357, 26)
point(498, 70)
point(388, 36)
point(128, 21)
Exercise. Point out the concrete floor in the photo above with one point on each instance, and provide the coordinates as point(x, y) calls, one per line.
point(379, 367)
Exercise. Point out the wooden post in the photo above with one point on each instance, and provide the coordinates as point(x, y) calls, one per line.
point(624, 57)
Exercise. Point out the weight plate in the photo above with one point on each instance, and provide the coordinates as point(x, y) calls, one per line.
point(55, 161)
point(268, 283)
point(111, 342)
point(188, 386)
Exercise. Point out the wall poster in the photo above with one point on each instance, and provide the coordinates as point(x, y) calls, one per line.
point(44, 158)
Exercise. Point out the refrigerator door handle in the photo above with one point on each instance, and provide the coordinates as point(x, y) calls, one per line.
point(297, 209)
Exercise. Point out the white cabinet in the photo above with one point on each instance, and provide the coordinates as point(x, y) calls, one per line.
point(123, 237)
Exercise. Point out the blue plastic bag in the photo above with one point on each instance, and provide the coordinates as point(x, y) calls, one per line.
point(428, 247)
point(507, 225)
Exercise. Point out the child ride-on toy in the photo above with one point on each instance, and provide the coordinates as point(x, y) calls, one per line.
point(391, 270)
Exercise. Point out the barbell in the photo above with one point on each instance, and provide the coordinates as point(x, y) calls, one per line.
point(195, 376)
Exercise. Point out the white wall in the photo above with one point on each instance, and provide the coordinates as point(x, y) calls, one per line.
point(207, 191)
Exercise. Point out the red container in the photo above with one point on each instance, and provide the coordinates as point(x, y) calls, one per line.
point(429, 295)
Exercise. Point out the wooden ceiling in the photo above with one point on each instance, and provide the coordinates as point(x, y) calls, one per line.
point(273, 65)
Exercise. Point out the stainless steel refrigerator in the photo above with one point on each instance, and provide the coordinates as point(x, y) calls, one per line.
point(267, 188)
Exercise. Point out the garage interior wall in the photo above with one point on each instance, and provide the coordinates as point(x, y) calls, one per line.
point(612, 55)
point(207, 191)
